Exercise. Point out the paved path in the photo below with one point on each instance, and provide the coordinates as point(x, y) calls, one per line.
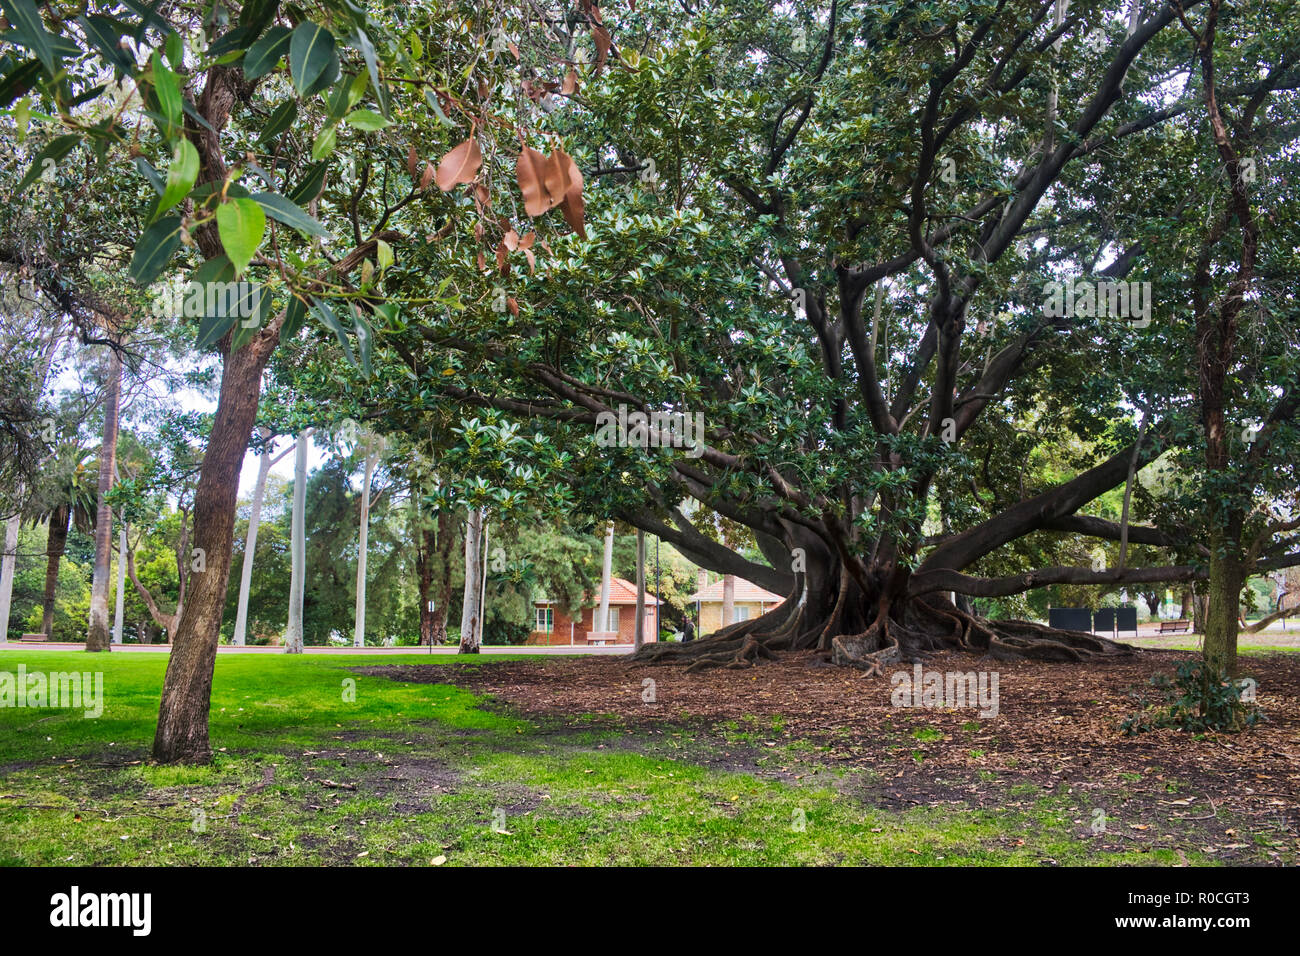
point(556, 651)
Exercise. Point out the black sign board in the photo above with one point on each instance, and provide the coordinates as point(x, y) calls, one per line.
point(1070, 618)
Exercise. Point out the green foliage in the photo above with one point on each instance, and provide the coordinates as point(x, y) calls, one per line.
point(1199, 699)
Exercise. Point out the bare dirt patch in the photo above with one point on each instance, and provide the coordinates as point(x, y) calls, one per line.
point(1056, 733)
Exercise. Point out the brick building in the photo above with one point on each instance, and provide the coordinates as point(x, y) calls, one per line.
point(747, 601)
point(552, 625)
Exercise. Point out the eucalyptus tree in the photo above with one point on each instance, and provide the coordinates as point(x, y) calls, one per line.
point(231, 114)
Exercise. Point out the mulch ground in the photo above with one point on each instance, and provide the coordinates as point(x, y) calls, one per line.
point(1057, 728)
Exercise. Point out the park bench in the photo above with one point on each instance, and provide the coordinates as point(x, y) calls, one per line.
point(1167, 626)
point(33, 638)
point(601, 638)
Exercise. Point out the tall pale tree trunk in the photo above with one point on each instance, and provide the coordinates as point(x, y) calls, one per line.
point(98, 637)
point(120, 610)
point(601, 623)
point(471, 617)
point(264, 463)
point(639, 634)
point(373, 447)
point(728, 599)
point(424, 549)
point(297, 546)
point(7, 564)
point(56, 542)
point(482, 582)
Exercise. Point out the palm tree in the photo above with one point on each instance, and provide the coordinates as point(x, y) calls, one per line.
point(67, 497)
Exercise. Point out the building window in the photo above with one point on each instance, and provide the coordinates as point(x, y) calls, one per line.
point(741, 614)
point(545, 620)
point(612, 624)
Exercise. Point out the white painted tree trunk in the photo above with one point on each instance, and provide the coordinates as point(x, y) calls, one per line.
point(639, 634)
point(297, 546)
point(482, 581)
point(264, 462)
point(601, 622)
point(7, 574)
point(372, 456)
point(121, 584)
point(472, 611)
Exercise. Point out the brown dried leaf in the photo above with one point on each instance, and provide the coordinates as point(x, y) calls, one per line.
point(532, 261)
point(513, 306)
point(511, 240)
point(412, 162)
point(502, 263)
point(603, 42)
point(460, 165)
point(570, 83)
point(526, 241)
point(427, 177)
point(573, 207)
point(538, 181)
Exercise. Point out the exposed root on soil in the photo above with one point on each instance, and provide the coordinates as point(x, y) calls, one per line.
point(896, 634)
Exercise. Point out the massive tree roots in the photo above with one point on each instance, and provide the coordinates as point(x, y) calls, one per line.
point(909, 632)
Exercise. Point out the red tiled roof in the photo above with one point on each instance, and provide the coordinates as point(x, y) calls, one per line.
point(620, 592)
point(745, 591)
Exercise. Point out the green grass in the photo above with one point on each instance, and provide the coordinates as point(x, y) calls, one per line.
point(423, 773)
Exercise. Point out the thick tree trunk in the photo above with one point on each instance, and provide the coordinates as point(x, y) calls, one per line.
point(98, 637)
point(297, 546)
point(1221, 619)
point(182, 733)
point(434, 541)
point(728, 600)
point(7, 565)
point(1185, 611)
point(56, 543)
point(372, 456)
point(472, 611)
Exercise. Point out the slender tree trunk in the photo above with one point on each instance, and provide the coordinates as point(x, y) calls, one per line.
point(424, 546)
point(98, 637)
point(1185, 611)
point(121, 584)
point(639, 634)
point(444, 541)
point(56, 544)
point(372, 455)
point(728, 599)
point(7, 564)
point(297, 546)
point(240, 636)
point(182, 733)
point(601, 623)
point(472, 612)
point(482, 582)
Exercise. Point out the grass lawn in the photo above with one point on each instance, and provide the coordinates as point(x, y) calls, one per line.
point(421, 773)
